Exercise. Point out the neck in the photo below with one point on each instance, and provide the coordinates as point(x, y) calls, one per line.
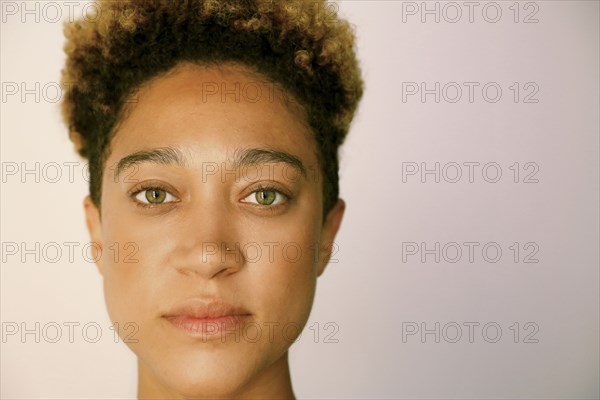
point(274, 382)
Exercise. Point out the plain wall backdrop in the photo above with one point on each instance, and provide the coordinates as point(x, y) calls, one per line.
point(467, 262)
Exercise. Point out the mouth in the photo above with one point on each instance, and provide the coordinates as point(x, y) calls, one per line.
point(208, 320)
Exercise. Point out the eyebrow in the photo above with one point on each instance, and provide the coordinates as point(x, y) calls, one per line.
point(256, 156)
point(241, 158)
point(160, 155)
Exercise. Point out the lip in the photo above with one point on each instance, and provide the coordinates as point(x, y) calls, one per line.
point(207, 319)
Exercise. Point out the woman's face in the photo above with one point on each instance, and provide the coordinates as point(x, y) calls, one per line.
point(209, 159)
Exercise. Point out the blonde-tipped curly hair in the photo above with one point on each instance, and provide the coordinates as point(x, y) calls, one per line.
point(303, 46)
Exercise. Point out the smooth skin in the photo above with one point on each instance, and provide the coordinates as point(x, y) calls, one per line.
point(172, 218)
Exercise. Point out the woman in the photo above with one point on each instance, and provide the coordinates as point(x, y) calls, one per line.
point(211, 130)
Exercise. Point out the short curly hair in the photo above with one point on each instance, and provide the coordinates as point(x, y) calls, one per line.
point(303, 46)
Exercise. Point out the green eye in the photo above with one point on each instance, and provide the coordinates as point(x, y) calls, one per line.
point(155, 196)
point(265, 197)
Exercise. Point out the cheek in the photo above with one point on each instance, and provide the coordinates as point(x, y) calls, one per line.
point(129, 280)
point(284, 278)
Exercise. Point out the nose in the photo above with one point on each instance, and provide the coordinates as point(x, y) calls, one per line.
point(208, 247)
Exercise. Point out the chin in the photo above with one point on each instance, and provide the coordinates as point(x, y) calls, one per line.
point(210, 373)
point(209, 387)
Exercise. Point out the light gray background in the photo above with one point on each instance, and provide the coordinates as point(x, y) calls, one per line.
point(371, 294)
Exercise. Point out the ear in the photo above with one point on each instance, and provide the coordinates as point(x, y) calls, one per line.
point(328, 233)
point(92, 220)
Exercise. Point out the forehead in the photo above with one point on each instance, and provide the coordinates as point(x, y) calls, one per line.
point(211, 110)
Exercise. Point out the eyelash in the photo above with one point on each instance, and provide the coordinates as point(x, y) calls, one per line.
point(270, 188)
point(261, 188)
point(144, 188)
